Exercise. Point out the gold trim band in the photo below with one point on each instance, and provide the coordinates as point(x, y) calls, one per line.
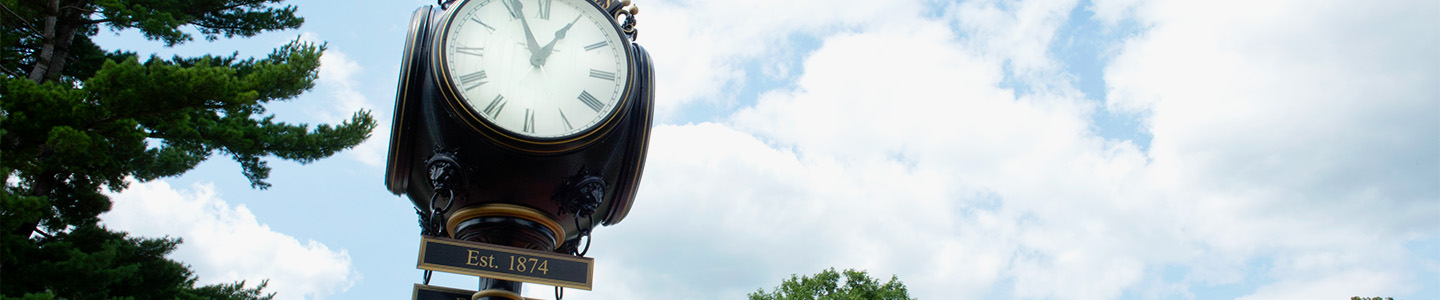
point(506, 210)
point(497, 293)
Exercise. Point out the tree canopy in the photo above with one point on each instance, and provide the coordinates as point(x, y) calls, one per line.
point(826, 285)
point(76, 118)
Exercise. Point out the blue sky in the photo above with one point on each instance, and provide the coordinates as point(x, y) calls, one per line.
point(1107, 149)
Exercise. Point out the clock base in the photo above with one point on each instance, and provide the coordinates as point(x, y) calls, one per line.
point(495, 289)
point(506, 225)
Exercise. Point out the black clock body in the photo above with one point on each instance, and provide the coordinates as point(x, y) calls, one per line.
point(470, 176)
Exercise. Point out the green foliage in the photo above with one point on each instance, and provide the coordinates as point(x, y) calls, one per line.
point(162, 19)
point(25, 24)
point(75, 119)
point(826, 286)
point(100, 264)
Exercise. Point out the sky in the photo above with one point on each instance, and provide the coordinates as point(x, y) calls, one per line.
point(1038, 149)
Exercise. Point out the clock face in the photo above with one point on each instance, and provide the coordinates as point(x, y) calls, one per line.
point(539, 69)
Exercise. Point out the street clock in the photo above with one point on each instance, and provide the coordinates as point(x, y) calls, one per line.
point(520, 124)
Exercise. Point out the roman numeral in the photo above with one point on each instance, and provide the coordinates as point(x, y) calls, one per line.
point(590, 101)
point(473, 80)
point(529, 121)
point(566, 120)
point(482, 23)
point(544, 9)
point(595, 46)
point(495, 106)
point(602, 74)
point(514, 13)
point(476, 51)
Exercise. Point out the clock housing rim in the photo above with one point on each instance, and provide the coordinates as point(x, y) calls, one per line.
point(407, 97)
point(510, 139)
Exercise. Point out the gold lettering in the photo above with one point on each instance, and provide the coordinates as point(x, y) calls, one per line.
point(473, 257)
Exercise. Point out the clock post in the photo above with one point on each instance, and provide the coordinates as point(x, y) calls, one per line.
point(520, 126)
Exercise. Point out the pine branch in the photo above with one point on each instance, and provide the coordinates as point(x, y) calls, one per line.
point(20, 19)
point(149, 113)
point(79, 8)
point(9, 72)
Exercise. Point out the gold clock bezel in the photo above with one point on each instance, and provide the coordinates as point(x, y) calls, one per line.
point(507, 138)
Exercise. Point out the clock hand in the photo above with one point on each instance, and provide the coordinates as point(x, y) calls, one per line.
point(559, 34)
point(530, 42)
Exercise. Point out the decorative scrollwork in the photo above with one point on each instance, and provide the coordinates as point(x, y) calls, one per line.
point(625, 13)
point(581, 193)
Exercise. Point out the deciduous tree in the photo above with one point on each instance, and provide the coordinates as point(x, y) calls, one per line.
point(827, 286)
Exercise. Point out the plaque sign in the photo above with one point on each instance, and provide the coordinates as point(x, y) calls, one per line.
point(430, 292)
point(505, 263)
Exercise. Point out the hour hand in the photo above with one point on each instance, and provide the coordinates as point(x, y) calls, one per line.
point(545, 51)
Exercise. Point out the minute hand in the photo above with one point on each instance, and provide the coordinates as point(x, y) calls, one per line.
point(530, 42)
point(544, 54)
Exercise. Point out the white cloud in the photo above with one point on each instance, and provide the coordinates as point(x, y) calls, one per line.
point(1112, 12)
point(982, 151)
point(307, 36)
point(1018, 32)
point(1356, 282)
point(337, 78)
point(1289, 132)
point(337, 75)
point(701, 47)
point(224, 243)
point(1294, 151)
point(1306, 128)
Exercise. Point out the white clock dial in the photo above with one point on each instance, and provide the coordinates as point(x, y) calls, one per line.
point(540, 69)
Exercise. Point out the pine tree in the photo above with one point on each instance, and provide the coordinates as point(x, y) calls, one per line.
point(75, 118)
